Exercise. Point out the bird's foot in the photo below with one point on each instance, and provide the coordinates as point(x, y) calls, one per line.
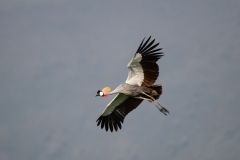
point(164, 111)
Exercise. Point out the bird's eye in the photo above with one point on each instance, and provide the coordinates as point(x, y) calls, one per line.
point(100, 93)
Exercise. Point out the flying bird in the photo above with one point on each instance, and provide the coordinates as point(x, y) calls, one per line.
point(139, 86)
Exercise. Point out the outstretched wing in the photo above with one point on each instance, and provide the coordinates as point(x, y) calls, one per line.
point(143, 69)
point(116, 110)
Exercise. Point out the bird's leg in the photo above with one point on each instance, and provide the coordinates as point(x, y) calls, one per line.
point(162, 109)
point(144, 98)
point(150, 100)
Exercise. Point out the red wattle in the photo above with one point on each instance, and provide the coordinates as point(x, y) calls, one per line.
point(105, 96)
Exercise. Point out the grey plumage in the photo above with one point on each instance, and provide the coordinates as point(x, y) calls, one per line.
point(140, 92)
point(135, 91)
point(127, 89)
point(139, 86)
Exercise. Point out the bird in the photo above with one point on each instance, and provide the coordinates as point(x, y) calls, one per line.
point(143, 71)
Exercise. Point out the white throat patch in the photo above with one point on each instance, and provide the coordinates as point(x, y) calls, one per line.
point(101, 93)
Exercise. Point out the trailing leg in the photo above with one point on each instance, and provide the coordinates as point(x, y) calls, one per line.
point(161, 108)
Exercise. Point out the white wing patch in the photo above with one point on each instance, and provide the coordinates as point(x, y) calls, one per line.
point(135, 71)
point(120, 98)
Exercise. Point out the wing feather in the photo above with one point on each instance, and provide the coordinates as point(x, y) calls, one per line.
point(144, 44)
point(143, 69)
point(151, 48)
point(140, 46)
point(147, 47)
point(119, 108)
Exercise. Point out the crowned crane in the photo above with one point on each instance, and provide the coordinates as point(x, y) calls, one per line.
point(139, 86)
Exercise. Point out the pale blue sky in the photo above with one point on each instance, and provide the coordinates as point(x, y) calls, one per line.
point(54, 56)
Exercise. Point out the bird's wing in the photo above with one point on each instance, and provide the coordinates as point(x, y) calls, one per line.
point(143, 69)
point(116, 110)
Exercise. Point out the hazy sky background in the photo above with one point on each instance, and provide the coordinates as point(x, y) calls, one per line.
point(55, 55)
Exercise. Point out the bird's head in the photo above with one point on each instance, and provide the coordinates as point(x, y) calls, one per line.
point(104, 92)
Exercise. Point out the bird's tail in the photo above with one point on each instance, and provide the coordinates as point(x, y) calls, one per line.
point(156, 90)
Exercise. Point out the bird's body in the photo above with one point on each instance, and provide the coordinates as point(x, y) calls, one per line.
point(127, 89)
point(139, 86)
point(136, 91)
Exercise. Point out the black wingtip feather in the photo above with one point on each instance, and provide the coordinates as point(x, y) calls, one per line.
point(144, 50)
point(117, 121)
point(140, 45)
point(155, 50)
point(102, 123)
point(145, 44)
point(151, 48)
point(99, 120)
point(110, 121)
point(106, 123)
